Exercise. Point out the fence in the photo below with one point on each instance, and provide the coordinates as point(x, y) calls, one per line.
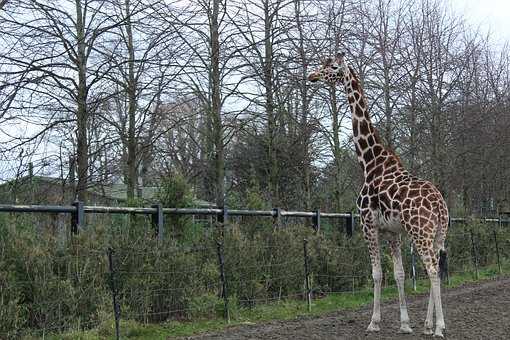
point(157, 213)
point(88, 283)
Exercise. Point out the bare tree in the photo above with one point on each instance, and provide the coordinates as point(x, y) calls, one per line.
point(141, 61)
point(56, 45)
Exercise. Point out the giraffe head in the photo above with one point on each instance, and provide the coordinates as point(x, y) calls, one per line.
point(331, 71)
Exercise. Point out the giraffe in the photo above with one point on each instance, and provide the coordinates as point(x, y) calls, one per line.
point(391, 202)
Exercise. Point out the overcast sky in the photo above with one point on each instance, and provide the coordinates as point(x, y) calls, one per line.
point(493, 15)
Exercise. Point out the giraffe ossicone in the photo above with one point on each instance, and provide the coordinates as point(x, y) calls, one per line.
point(391, 202)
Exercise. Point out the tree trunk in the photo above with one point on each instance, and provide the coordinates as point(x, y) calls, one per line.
point(82, 147)
point(305, 101)
point(336, 149)
point(271, 119)
point(219, 162)
point(131, 172)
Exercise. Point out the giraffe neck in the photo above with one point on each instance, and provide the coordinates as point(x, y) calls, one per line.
point(367, 142)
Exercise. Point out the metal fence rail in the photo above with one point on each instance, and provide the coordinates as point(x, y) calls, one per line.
point(157, 212)
point(171, 211)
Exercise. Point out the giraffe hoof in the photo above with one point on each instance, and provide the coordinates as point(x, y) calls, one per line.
point(373, 328)
point(438, 333)
point(428, 331)
point(405, 329)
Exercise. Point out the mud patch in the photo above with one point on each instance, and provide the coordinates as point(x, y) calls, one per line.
point(473, 311)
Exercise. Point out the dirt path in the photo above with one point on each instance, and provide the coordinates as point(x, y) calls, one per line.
point(479, 311)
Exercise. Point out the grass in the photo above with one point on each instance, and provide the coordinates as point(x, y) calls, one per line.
point(284, 310)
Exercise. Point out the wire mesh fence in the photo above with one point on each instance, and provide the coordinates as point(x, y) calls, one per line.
point(118, 271)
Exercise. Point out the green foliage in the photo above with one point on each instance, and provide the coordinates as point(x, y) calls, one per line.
point(266, 266)
point(52, 285)
point(206, 306)
point(338, 263)
point(47, 285)
point(254, 200)
point(175, 192)
point(159, 284)
point(135, 202)
point(254, 197)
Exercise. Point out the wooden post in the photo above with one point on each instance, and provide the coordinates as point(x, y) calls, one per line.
point(223, 216)
point(316, 220)
point(158, 221)
point(277, 214)
point(222, 219)
point(494, 232)
point(116, 307)
point(307, 276)
point(450, 224)
point(349, 225)
point(77, 217)
point(473, 250)
point(224, 292)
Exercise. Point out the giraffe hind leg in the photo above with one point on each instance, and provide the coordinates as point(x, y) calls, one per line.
point(429, 321)
point(398, 271)
point(430, 260)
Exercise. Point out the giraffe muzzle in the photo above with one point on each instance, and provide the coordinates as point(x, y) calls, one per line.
point(314, 77)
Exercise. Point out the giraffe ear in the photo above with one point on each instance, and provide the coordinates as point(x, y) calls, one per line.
point(326, 61)
point(340, 57)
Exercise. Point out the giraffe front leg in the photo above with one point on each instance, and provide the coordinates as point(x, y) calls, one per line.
point(429, 321)
point(398, 271)
point(375, 258)
point(376, 314)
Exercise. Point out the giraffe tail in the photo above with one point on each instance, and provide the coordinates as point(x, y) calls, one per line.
point(440, 244)
point(443, 222)
point(440, 239)
point(443, 264)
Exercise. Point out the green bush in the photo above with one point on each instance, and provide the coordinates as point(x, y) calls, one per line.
point(205, 306)
point(51, 284)
point(46, 285)
point(175, 192)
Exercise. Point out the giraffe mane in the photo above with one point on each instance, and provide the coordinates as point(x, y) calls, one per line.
point(394, 154)
point(375, 132)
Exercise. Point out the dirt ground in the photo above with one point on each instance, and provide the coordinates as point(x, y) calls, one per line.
point(480, 311)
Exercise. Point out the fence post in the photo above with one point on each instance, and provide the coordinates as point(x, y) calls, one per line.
point(77, 217)
point(316, 220)
point(116, 307)
point(277, 214)
point(349, 225)
point(158, 221)
point(221, 219)
point(494, 232)
point(223, 215)
point(307, 276)
point(413, 266)
point(475, 257)
point(224, 293)
point(450, 224)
